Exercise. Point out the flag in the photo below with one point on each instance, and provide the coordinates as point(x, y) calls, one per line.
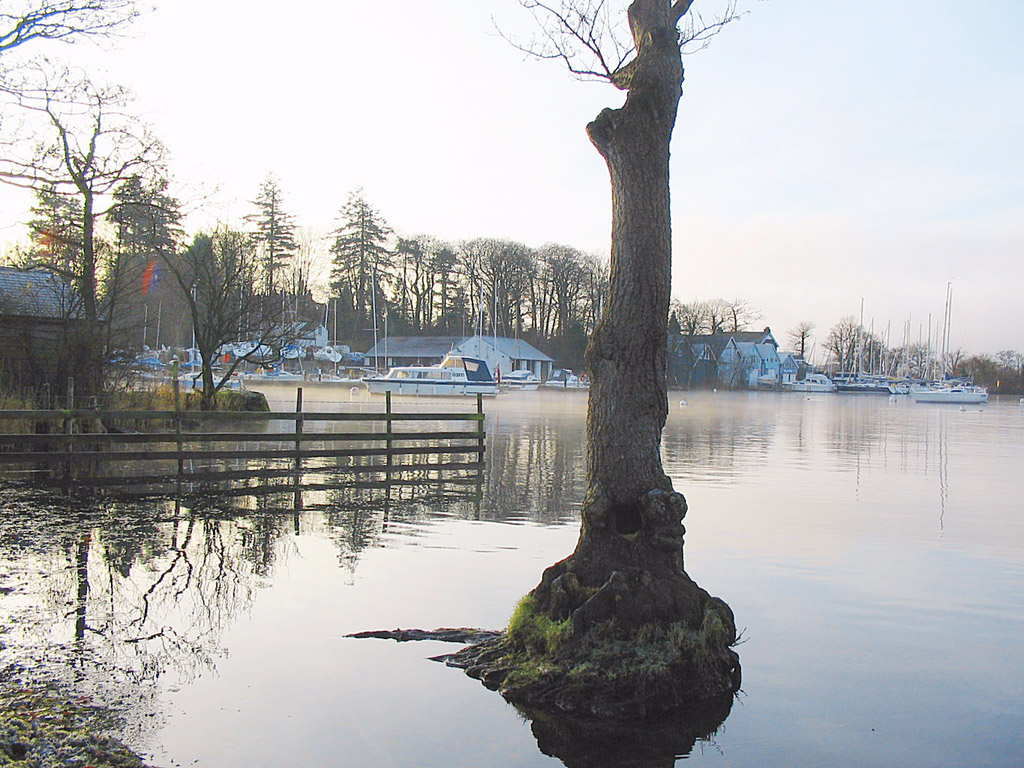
point(150, 277)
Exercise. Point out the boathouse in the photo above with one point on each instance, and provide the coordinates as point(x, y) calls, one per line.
point(499, 352)
point(38, 317)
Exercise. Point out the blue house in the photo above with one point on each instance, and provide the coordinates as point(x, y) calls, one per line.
point(738, 359)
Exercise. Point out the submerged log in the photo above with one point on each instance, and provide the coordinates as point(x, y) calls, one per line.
point(445, 635)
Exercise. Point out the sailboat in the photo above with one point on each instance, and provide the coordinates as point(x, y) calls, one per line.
point(962, 393)
point(948, 389)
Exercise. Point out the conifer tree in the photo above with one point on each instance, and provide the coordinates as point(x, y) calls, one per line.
point(274, 232)
point(360, 261)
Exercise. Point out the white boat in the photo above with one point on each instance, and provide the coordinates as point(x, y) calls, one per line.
point(254, 352)
point(962, 394)
point(521, 381)
point(564, 378)
point(455, 375)
point(328, 354)
point(863, 384)
point(812, 382)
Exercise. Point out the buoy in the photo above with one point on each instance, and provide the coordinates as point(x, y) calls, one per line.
point(682, 403)
point(892, 398)
point(962, 409)
point(353, 393)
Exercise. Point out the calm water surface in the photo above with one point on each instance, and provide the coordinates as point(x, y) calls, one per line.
point(873, 553)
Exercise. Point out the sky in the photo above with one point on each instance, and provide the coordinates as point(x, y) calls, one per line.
point(827, 156)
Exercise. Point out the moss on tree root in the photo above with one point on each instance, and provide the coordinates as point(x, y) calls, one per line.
point(607, 670)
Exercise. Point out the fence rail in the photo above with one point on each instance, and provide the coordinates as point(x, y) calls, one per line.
point(71, 440)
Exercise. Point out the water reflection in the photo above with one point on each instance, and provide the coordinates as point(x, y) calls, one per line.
point(534, 469)
point(136, 587)
point(820, 507)
point(607, 743)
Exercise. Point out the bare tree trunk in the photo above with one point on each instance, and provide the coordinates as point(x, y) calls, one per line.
point(584, 639)
point(627, 572)
point(631, 516)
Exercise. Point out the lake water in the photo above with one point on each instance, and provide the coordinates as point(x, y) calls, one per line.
point(872, 551)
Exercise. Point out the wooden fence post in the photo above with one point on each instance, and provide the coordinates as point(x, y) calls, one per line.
point(480, 427)
point(298, 430)
point(69, 429)
point(388, 423)
point(177, 416)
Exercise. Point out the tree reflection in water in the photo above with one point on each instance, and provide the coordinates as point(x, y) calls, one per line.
point(107, 596)
point(611, 743)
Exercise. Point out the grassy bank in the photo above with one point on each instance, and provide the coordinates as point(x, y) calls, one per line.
point(43, 727)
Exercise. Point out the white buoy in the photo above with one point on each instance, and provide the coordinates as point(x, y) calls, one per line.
point(892, 398)
point(1022, 401)
point(682, 403)
point(353, 394)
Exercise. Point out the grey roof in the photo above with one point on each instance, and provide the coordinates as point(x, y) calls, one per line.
point(414, 346)
point(439, 346)
point(34, 293)
point(718, 341)
point(517, 349)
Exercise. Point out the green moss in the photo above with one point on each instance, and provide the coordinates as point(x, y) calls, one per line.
point(607, 663)
point(535, 632)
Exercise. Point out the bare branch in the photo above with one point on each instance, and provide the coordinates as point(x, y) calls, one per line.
point(24, 22)
point(584, 37)
point(581, 34)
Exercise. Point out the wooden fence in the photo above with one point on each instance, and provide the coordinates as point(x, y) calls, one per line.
point(86, 443)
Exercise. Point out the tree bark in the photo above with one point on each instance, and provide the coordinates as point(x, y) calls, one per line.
point(626, 356)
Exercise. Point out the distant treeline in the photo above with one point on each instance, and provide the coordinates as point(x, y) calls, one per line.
point(1002, 373)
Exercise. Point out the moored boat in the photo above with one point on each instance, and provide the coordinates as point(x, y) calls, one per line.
point(962, 394)
point(564, 378)
point(522, 380)
point(454, 375)
point(812, 382)
point(863, 384)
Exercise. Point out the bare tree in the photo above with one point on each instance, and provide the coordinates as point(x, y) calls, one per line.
point(740, 315)
point(307, 268)
point(844, 340)
point(799, 336)
point(625, 580)
point(217, 274)
point(94, 146)
point(565, 274)
point(691, 317)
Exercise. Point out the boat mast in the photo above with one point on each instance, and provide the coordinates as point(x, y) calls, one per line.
point(946, 318)
point(373, 307)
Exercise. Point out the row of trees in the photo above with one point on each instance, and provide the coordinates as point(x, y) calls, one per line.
point(422, 285)
point(103, 213)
